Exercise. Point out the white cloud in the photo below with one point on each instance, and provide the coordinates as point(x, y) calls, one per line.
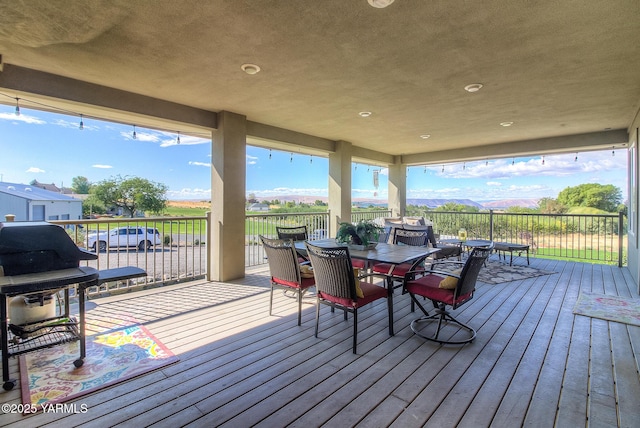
point(35, 170)
point(22, 118)
point(142, 136)
point(76, 125)
point(494, 183)
point(279, 191)
point(252, 160)
point(189, 193)
point(101, 166)
point(553, 166)
point(169, 139)
point(200, 163)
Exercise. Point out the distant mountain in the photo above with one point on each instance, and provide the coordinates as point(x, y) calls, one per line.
point(435, 203)
point(430, 203)
point(507, 203)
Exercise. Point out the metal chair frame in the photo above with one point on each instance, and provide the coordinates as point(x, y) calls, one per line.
point(463, 292)
point(335, 278)
point(285, 268)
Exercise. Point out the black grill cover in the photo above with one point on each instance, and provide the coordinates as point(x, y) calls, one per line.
point(32, 247)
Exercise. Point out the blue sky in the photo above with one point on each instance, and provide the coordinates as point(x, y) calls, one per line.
point(50, 148)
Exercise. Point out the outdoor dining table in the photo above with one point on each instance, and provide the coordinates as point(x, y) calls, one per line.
point(383, 253)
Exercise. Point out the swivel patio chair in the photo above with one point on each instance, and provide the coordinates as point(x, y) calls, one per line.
point(337, 286)
point(285, 270)
point(446, 289)
point(395, 273)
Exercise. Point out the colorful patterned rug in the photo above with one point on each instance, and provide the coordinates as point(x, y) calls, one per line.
point(48, 376)
point(610, 308)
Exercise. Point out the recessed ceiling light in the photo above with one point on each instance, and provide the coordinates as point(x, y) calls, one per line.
point(505, 124)
point(425, 136)
point(380, 4)
point(365, 113)
point(474, 87)
point(250, 68)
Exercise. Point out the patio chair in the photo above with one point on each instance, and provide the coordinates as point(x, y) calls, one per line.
point(337, 286)
point(446, 250)
point(446, 289)
point(296, 233)
point(416, 237)
point(285, 270)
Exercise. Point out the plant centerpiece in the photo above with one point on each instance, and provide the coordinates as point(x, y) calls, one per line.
point(361, 235)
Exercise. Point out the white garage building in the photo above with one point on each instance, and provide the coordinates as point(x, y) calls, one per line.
point(29, 203)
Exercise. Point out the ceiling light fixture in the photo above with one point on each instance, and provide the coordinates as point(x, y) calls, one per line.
point(474, 87)
point(380, 4)
point(425, 136)
point(365, 113)
point(250, 68)
point(505, 124)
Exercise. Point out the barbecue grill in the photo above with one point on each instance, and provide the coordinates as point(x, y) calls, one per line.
point(37, 261)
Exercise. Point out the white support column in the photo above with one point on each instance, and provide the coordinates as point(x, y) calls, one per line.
point(339, 185)
point(398, 189)
point(226, 234)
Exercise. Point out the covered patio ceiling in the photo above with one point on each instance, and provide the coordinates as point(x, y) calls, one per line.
point(566, 74)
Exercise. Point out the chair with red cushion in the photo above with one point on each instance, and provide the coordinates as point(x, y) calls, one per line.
point(296, 233)
point(337, 286)
point(446, 289)
point(415, 237)
point(285, 270)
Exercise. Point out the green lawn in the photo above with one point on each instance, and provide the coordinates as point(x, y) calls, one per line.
point(584, 255)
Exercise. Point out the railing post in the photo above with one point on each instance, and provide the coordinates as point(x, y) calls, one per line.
point(490, 225)
point(620, 235)
point(209, 249)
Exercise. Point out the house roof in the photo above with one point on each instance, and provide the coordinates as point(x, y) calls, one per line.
point(29, 192)
point(565, 73)
point(50, 187)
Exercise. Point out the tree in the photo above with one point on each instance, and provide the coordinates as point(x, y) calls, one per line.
point(92, 205)
point(80, 185)
point(131, 194)
point(455, 207)
point(551, 206)
point(604, 197)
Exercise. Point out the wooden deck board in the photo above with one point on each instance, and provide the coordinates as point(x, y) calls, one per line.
point(533, 362)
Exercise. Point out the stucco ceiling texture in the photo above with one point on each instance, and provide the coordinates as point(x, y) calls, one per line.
point(553, 68)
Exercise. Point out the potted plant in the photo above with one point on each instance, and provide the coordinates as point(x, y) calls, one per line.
point(361, 235)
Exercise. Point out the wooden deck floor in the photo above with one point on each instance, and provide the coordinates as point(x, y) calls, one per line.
point(533, 363)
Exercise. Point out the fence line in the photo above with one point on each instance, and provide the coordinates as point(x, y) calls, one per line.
point(584, 237)
point(182, 253)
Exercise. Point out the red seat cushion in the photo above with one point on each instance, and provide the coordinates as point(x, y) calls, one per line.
point(306, 282)
point(398, 270)
point(359, 263)
point(371, 292)
point(429, 287)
